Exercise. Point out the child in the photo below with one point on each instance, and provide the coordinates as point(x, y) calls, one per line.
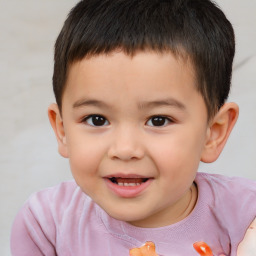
point(141, 89)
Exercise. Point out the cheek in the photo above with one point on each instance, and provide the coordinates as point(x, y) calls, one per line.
point(84, 156)
point(179, 153)
point(84, 163)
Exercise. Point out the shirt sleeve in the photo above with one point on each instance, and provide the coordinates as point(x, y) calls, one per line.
point(28, 237)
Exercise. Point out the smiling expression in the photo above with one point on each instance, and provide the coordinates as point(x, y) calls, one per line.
point(134, 129)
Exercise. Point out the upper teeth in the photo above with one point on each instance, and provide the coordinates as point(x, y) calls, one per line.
point(128, 184)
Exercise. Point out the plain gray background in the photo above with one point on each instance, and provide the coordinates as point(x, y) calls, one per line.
point(28, 151)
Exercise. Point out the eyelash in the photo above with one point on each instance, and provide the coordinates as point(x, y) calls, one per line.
point(160, 118)
point(89, 120)
point(102, 121)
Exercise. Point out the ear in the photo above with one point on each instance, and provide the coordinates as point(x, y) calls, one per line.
point(218, 131)
point(58, 128)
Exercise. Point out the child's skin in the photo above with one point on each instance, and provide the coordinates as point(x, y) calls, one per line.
point(151, 123)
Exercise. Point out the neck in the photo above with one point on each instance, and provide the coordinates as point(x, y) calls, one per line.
point(174, 214)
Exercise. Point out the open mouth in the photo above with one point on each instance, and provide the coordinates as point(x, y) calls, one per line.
point(128, 186)
point(128, 182)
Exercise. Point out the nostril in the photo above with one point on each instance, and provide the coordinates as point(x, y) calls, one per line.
point(125, 153)
point(125, 147)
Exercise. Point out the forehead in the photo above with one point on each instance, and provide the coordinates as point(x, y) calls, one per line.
point(98, 66)
point(143, 76)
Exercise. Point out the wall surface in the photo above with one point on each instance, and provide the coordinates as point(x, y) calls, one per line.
point(28, 151)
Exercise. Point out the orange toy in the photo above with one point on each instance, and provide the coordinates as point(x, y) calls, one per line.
point(148, 249)
point(203, 249)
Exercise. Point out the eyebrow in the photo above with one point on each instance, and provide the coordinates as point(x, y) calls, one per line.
point(169, 102)
point(90, 102)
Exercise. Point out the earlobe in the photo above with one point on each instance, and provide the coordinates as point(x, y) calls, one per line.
point(218, 132)
point(58, 128)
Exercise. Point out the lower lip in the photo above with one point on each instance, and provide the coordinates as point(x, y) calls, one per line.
point(128, 191)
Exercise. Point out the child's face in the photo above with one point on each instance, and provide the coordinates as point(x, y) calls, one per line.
point(138, 122)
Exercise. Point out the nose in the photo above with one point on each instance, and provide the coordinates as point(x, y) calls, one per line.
point(126, 145)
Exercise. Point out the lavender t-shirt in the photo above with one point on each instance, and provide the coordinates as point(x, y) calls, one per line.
point(64, 221)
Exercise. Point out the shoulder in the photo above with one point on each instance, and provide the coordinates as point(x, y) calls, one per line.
point(52, 203)
point(231, 200)
point(43, 216)
point(43, 205)
point(224, 185)
point(229, 192)
point(62, 192)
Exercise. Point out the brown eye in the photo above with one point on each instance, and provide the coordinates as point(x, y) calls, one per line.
point(158, 121)
point(96, 120)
